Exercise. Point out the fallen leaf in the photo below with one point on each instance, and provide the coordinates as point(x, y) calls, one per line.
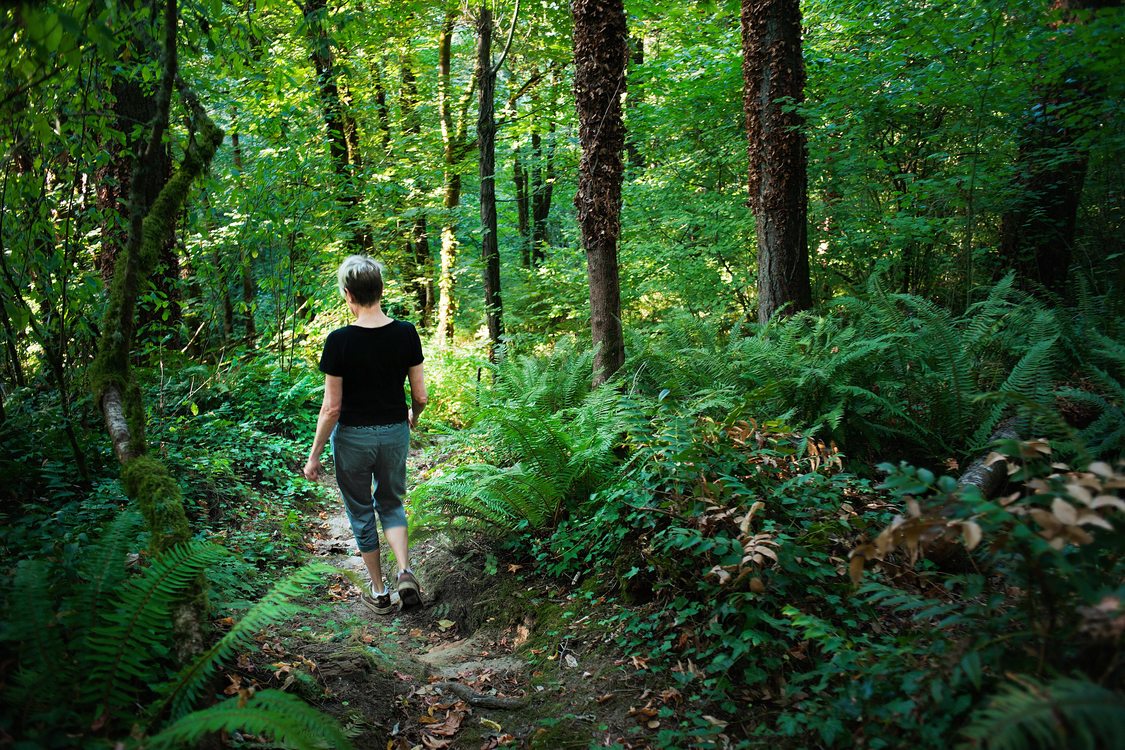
point(491, 724)
point(571, 661)
point(445, 625)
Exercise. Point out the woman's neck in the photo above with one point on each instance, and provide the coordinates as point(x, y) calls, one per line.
point(370, 317)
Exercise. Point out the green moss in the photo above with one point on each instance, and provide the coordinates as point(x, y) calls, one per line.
point(160, 500)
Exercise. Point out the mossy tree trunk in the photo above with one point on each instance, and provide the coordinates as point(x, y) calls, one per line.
point(146, 479)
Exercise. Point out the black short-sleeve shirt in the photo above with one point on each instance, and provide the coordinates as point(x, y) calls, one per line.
point(373, 363)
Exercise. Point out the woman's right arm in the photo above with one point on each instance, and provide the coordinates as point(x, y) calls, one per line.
point(325, 422)
point(418, 395)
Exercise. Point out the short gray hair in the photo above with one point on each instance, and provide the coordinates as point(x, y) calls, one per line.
point(361, 275)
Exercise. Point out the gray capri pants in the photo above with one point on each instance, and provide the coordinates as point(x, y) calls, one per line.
point(372, 457)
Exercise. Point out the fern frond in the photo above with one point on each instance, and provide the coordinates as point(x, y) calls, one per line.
point(1064, 712)
point(120, 648)
point(285, 718)
point(276, 606)
point(35, 632)
point(103, 566)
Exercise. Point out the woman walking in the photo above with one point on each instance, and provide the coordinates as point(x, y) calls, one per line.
point(365, 415)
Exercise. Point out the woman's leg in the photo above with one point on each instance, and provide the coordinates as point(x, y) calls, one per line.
point(390, 490)
point(352, 457)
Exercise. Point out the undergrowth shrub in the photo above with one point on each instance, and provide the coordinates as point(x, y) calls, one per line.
point(886, 371)
point(722, 508)
point(89, 645)
point(542, 441)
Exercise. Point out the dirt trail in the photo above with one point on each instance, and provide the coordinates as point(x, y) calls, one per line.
point(488, 660)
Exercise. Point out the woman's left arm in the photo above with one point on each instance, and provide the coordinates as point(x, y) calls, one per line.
point(325, 423)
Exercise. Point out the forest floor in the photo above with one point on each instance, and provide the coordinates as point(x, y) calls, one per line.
point(540, 666)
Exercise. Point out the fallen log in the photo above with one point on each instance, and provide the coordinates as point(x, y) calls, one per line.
point(990, 477)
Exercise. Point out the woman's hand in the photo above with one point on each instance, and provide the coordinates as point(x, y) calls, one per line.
point(312, 469)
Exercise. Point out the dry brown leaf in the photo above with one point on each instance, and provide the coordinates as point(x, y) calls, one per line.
point(972, 534)
point(1064, 511)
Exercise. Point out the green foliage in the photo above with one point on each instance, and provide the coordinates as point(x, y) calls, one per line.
point(881, 370)
point(284, 718)
point(85, 664)
point(1062, 712)
point(545, 438)
point(277, 605)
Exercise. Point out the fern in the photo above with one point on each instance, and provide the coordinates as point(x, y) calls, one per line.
point(544, 443)
point(277, 605)
point(103, 566)
point(1064, 712)
point(37, 633)
point(285, 718)
point(119, 651)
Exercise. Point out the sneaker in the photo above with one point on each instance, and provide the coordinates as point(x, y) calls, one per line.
point(380, 604)
point(409, 592)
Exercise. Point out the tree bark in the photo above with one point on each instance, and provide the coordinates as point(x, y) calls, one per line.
point(520, 180)
point(600, 52)
point(342, 131)
point(773, 74)
point(453, 137)
point(542, 185)
point(421, 282)
point(486, 147)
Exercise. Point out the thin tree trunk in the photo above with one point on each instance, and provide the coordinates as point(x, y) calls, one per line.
point(453, 151)
point(418, 240)
point(542, 186)
point(382, 111)
point(486, 145)
point(520, 180)
point(600, 51)
point(245, 261)
point(773, 74)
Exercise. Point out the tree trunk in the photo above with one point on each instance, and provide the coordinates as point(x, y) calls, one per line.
point(542, 185)
point(343, 134)
point(600, 51)
point(421, 282)
point(146, 479)
point(773, 82)
point(520, 180)
point(1037, 232)
point(453, 151)
point(486, 145)
point(134, 105)
point(245, 260)
point(382, 111)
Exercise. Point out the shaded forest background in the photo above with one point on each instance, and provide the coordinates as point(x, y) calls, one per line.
point(783, 496)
